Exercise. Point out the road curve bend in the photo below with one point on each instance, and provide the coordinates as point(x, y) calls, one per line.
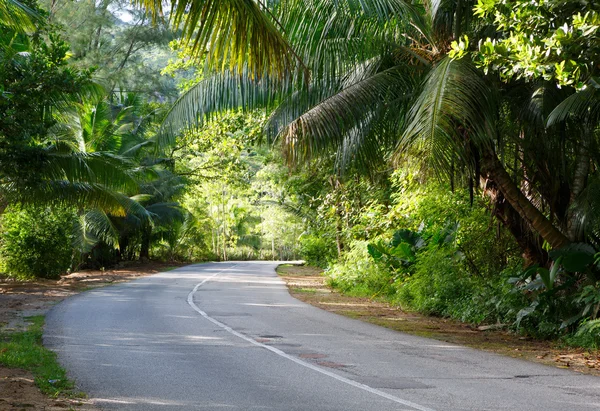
point(228, 336)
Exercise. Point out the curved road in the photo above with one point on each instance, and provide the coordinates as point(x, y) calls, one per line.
point(228, 336)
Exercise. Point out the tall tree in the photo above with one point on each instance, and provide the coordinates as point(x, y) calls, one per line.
point(398, 85)
point(126, 48)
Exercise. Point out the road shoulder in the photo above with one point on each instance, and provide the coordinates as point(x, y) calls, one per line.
point(308, 284)
point(22, 305)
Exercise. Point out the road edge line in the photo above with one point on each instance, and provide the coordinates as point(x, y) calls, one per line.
point(190, 301)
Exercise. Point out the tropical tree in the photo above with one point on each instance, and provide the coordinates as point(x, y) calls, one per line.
point(398, 85)
point(37, 89)
point(18, 16)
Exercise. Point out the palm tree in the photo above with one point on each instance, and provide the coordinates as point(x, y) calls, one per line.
point(17, 16)
point(97, 128)
point(231, 34)
point(382, 83)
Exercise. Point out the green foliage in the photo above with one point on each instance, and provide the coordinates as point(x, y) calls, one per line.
point(25, 350)
point(574, 257)
point(400, 252)
point(549, 40)
point(587, 335)
point(126, 49)
point(356, 273)
point(431, 263)
point(317, 251)
point(552, 307)
point(36, 242)
point(33, 85)
point(589, 297)
point(441, 287)
point(230, 38)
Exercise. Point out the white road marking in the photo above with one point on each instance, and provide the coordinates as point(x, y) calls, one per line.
point(190, 300)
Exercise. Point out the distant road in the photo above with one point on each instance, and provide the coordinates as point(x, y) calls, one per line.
point(228, 336)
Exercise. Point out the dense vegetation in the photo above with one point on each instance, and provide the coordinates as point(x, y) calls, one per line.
point(443, 155)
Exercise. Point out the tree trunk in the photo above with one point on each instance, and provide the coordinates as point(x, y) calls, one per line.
point(495, 171)
point(530, 244)
point(123, 244)
point(338, 231)
point(145, 249)
point(131, 45)
point(582, 169)
point(96, 40)
point(212, 240)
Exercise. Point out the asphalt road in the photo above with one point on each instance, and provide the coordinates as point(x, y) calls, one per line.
point(228, 336)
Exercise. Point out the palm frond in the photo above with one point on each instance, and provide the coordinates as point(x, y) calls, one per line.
point(583, 105)
point(326, 125)
point(224, 91)
point(455, 107)
point(305, 213)
point(586, 210)
point(302, 100)
point(334, 36)
point(166, 213)
point(17, 16)
point(91, 228)
point(231, 33)
point(106, 169)
point(76, 194)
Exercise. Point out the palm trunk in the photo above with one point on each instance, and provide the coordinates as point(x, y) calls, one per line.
point(531, 247)
point(145, 248)
point(582, 169)
point(496, 172)
point(123, 244)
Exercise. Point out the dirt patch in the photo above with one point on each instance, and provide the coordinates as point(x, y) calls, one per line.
point(308, 284)
point(19, 300)
point(18, 392)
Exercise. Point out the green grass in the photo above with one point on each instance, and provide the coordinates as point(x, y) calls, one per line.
point(25, 350)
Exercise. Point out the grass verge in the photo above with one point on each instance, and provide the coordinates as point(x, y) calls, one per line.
point(25, 350)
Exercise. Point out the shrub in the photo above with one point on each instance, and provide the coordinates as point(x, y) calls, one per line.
point(36, 242)
point(443, 286)
point(242, 253)
point(439, 286)
point(357, 273)
point(317, 251)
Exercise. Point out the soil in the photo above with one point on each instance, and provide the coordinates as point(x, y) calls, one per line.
point(19, 300)
point(309, 285)
point(18, 392)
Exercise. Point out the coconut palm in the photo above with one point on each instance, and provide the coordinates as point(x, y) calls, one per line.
point(17, 16)
point(231, 34)
point(117, 130)
point(382, 83)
